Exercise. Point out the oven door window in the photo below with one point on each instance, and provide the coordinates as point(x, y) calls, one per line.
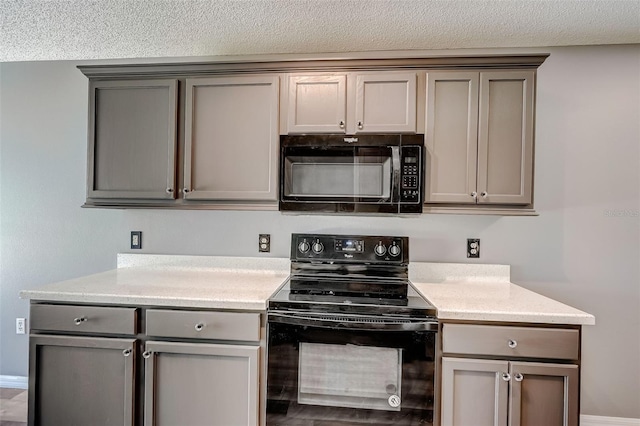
point(350, 376)
point(338, 174)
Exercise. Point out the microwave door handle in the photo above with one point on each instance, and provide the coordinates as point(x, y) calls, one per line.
point(395, 174)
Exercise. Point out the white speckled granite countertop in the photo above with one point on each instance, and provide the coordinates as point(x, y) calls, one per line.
point(179, 281)
point(458, 291)
point(485, 293)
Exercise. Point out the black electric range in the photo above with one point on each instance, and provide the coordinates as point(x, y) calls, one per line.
point(349, 339)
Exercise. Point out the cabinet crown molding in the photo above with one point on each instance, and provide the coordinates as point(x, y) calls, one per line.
point(244, 66)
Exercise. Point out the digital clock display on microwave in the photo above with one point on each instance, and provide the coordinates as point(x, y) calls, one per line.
point(350, 246)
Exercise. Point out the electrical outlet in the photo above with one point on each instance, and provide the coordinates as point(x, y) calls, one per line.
point(473, 247)
point(264, 243)
point(136, 239)
point(21, 326)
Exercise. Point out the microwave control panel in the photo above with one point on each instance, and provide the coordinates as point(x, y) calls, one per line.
point(411, 174)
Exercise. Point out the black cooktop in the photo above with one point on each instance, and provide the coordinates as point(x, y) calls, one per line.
point(366, 275)
point(413, 304)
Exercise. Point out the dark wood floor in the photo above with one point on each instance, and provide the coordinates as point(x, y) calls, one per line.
point(13, 407)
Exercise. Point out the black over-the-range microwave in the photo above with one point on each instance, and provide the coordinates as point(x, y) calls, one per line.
point(351, 174)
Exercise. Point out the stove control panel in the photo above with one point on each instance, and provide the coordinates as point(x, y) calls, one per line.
point(349, 248)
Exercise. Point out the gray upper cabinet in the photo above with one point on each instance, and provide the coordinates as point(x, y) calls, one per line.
point(451, 137)
point(317, 103)
point(479, 137)
point(385, 103)
point(505, 137)
point(205, 135)
point(132, 139)
point(382, 102)
point(231, 138)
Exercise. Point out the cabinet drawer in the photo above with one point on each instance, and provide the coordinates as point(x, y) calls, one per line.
point(203, 324)
point(84, 319)
point(510, 341)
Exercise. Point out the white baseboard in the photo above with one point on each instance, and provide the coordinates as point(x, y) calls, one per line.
point(16, 382)
point(586, 420)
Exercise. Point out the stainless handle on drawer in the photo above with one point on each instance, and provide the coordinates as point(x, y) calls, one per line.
point(518, 377)
point(146, 354)
point(360, 125)
point(126, 352)
point(341, 124)
point(474, 194)
point(506, 377)
point(80, 320)
point(200, 326)
point(512, 343)
point(484, 194)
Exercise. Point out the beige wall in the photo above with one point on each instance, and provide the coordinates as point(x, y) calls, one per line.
point(583, 249)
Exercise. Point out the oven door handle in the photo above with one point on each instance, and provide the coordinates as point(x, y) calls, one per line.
point(368, 323)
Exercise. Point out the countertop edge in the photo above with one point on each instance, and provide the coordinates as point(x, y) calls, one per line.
point(142, 301)
point(523, 317)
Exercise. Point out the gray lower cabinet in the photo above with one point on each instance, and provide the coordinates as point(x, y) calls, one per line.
point(94, 365)
point(81, 381)
point(477, 392)
point(479, 137)
point(492, 375)
point(132, 139)
point(198, 384)
point(84, 378)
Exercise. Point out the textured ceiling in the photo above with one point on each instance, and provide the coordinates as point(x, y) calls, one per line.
point(85, 29)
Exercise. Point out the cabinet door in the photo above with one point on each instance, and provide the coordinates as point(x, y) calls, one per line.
point(543, 394)
point(81, 381)
point(385, 102)
point(451, 137)
point(505, 137)
point(317, 103)
point(474, 392)
point(231, 138)
point(132, 139)
point(198, 384)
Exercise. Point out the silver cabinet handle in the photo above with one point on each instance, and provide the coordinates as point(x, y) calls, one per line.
point(484, 194)
point(474, 194)
point(341, 124)
point(126, 352)
point(199, 326)
point(186, 190)
point(80, 320)
point(512, 343)
point(169, 190)
point(146, 354)
point(360, 125)
point(506, 377)
point(518, 377)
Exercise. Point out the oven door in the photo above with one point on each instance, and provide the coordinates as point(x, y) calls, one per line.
point(349, 370)
point(340, 178)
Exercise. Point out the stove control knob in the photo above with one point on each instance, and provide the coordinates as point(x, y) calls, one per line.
point(394, 250)
point(317, 247)
point(304, 247)
point(380, 249)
